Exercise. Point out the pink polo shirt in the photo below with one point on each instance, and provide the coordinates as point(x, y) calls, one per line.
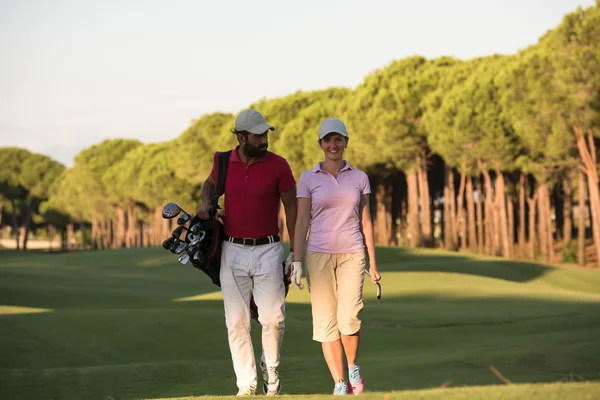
point(335, 220)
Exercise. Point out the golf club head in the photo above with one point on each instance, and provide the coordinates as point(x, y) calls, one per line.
point(180, 248)
point(183, 258)
point(195, 238)
point(198, 256)
point(195, 228)
point(183, 219)
point(177, 232)
point(168, 243)
point(170, 210)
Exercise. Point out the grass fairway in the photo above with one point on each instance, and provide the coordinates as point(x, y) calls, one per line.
point(134, 324)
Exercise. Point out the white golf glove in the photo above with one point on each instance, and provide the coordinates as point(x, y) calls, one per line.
point(296, 275)
point(288, 262)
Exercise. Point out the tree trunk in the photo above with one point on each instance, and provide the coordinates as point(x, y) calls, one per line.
point(160, 227)
point(130, 232)
point(490, 237)
point(545, 223)
point(471, 215)
point(588, 156)
point(453, 232)
point(460, 214)
point(425, 201)
point(64, 241)
point(145, 232)
point(568, 211)
point(70, 235)
point(581, 220)
point(447, 222)
point(382, 231)
point(26, 222)
point(94, 231)
point(480, 228)
point(549, 231)
point(51, 237)
point(109, 233)
point(15, 225)
point(531, 202)
point(1, 209)
point(413, 209)
point(510, 209)
point(121, 229)
point(502, 217)
point(522, 196)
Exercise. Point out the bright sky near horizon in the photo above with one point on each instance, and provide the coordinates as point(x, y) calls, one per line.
point(76, 72)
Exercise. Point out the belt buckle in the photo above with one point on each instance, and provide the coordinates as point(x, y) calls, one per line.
point(250, 240)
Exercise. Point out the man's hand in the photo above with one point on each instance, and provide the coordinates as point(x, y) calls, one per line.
point(203, 212)
point(296, 274)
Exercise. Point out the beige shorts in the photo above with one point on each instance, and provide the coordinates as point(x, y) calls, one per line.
point(335, 282)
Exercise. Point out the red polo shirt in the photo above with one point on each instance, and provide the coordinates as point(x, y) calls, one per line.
point(252, 194)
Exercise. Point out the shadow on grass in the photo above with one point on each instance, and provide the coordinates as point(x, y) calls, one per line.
point(407, 260)
point(117, 333)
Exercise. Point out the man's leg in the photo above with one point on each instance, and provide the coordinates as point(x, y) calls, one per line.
point(236, 286)
point(269, 296)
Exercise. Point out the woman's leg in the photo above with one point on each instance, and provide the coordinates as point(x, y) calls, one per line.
point(351, 344)
point(332, 351)
point(350, 277)
point(322, 285)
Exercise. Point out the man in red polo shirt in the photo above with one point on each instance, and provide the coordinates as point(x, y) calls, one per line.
point(252, 255)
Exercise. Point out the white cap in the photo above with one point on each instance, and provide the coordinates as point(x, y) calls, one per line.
point(332, 125)
point(251, 121)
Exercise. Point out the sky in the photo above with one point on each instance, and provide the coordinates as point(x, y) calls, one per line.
point(76, 72)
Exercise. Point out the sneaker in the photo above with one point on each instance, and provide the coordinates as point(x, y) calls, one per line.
point(356, 383)
point(247, 391)
point(271, 383)
point(340, 389)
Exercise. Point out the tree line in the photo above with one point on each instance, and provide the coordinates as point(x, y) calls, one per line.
point(496, 155)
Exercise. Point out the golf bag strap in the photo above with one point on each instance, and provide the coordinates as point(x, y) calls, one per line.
point(221, 176)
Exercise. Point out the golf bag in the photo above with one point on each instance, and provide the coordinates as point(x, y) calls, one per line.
point(210, 262)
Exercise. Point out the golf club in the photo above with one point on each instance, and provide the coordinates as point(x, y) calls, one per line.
point(170, 210)
point(184, 218)
point(195, 238)
point(378, 286)
point(178, 247)
point(183, 258)
point(168, 243)
point(178, 231)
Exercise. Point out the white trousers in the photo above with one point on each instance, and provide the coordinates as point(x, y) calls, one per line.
point(257, 270)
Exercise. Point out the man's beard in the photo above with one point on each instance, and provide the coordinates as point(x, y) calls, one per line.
point(252, 151)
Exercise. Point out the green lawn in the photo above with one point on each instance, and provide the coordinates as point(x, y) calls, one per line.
point(134, 324)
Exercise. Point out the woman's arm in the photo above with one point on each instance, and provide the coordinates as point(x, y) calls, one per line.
point(366, 228)
point(302, 224)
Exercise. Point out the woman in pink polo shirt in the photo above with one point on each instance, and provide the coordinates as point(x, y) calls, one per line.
point(333, 199)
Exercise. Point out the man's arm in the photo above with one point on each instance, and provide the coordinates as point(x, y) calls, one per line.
point(208, 190)
point(289, 204)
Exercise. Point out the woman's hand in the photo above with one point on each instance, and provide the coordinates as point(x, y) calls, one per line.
point(375, 276)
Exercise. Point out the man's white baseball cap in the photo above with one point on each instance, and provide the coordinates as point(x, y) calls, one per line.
point(252, 121)
point(332, 125)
